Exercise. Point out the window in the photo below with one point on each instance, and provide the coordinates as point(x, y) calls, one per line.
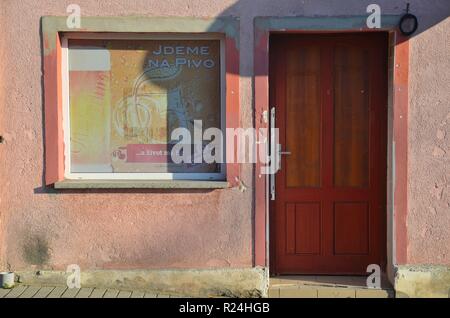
point(124, 95)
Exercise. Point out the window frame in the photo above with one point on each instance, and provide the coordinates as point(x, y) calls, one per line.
point(52, 30)
point(68, 175)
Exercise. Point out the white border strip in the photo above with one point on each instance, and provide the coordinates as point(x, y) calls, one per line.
point(66, 104)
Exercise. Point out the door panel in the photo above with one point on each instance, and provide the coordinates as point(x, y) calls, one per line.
point(351, 222)
point(303, 140)
point(351, 116)
point(307, 225)
point(303, 228)
point(331, 101)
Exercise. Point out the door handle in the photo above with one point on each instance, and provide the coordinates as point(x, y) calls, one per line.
point(275, 151)
point(274, 148)
point(280, 152)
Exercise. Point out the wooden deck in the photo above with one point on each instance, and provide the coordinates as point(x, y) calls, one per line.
point(23, 291)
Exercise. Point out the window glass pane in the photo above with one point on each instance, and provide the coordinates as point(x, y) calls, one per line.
point(351, 117)
point(303, 116)
point(127, 96)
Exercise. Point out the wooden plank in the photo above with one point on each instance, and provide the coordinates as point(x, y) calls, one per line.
point(84, 293)
point(124, 294)
point(30, 292)
point(4, 292)
point(98, 293)
point(43, 292)
point(16, 292)
point(57, 292)
point(111, 293)
point(137, 294)
point(70, 293)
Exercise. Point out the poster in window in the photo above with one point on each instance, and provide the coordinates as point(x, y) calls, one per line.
point(127, 96)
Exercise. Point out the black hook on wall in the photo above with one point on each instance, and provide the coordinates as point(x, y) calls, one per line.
point(408, 23)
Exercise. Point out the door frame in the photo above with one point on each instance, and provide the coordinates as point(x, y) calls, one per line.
point(397, 116)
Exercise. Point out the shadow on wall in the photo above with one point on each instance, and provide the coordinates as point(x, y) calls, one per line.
point(429, 13)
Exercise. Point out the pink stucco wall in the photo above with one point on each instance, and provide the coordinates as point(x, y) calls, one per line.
point(429, 146)
point(187, 229)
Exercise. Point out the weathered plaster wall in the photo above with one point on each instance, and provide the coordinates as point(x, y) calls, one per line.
point(429, 147)
point(422, 281)
point(186, 229)
point(2, 177)
point(100, 229)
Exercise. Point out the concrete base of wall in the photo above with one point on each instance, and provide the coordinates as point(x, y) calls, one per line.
point(410, 281)
point(422, 281)
point(248, 282)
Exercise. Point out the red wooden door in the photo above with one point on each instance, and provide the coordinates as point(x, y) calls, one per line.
point(330, 94)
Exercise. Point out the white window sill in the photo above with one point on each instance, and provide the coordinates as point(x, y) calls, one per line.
point(141, 184)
